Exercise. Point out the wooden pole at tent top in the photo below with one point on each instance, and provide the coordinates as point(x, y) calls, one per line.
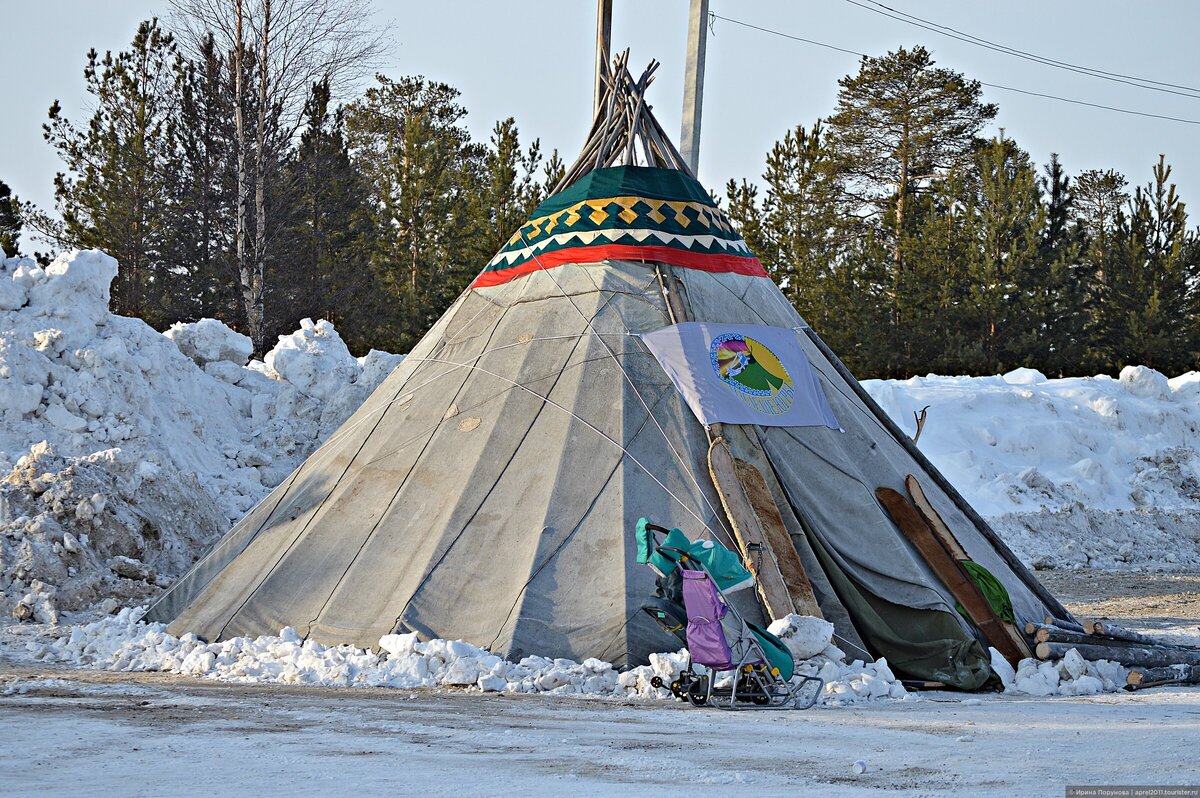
point(603, 48)
point(693, 84)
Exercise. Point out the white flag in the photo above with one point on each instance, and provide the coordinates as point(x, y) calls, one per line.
point(742, 374)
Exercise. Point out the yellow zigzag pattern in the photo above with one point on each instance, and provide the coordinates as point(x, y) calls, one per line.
point(599, 211)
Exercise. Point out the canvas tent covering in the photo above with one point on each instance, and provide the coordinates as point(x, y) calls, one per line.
point(489, 488)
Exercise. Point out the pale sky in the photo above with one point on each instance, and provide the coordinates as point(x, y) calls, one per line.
point(533, 61)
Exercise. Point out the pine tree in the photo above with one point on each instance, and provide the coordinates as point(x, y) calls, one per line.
point(900, 124)
point(201, 186)
point(932, 322)
point(744, 211)
point(1100, 202)
point(1060, 301)
point(800, 222)
point(408, 140)
point(1148, 316)
point(112, 195)
point(510, 190)
point(1004, 268)
point(10, 220)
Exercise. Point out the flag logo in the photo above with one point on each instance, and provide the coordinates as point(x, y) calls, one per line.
point(754, 373)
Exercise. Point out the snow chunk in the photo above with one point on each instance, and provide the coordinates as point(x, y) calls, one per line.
point(1024, 376)
point(1146, 382)
point(211, 341)
point(75, 288)
point(804, 635)
point(1071, 675)
point(314, 359)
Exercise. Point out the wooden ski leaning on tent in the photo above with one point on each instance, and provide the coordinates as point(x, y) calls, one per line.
point(766, 547)
point(942, 531)
point(951, 574)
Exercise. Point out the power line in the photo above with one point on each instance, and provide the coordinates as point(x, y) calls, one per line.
point(946, 30)
point(989, 85)
point(1091, 105)
point(787, 35)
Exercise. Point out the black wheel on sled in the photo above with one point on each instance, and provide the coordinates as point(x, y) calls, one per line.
point(656, 681)
point(677, 690)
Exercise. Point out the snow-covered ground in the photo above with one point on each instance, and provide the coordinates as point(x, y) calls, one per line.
point(69, 733)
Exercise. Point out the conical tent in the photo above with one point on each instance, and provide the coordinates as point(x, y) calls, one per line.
point(488, 489)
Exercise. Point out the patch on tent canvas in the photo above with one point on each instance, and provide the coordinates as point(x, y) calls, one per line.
point(625, 213)
point(742, 374)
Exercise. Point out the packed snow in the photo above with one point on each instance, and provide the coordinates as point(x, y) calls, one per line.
point(124, 643)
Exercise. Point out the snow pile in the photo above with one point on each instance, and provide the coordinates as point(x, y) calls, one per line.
point(76, 531)
point(167, 439)
point(1089, 471)
point(1071, 675)
point(124, 643)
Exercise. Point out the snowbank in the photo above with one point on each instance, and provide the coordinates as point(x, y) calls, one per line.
point(174, 436)
point(123, 643)
point(1088, 471)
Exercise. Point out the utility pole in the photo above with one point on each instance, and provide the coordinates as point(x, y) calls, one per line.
point(603, 47)
point(693, 84)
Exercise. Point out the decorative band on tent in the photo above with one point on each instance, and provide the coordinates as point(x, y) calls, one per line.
point(625, 213)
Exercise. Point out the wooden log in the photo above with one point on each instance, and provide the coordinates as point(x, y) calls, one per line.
point(1054, 634)
point(921, 684)
point(951, 574)
point(1107, 629)
point(747, 530)
point(1141, 678)
point(780, 542)
point(1043, 634)
point(1068, 625)
point(1130, 655)
point(946, 537)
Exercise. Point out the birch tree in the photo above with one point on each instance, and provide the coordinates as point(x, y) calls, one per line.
point(278, 50)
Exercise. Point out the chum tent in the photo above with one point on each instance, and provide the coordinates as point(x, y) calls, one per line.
point(489, 488)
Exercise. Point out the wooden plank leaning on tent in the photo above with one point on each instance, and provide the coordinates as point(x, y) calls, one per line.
point(757, 553)
point(777, 538)
point(914, 528)
point(942, 531)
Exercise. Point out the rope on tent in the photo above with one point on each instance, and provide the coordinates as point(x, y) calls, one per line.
point(436, 424)
point(633, 386)
point(583, 421)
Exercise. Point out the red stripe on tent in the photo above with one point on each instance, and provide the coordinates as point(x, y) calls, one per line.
point(700, 261)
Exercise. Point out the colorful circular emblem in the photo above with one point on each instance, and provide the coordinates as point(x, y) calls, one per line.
point(753, 372)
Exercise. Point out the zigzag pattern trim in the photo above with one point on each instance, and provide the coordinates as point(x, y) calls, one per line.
point(585, 238)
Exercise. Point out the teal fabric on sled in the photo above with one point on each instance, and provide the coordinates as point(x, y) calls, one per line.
point(723, 565)
point(776, 650)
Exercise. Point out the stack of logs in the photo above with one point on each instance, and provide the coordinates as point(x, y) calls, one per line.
point(1151, 662)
